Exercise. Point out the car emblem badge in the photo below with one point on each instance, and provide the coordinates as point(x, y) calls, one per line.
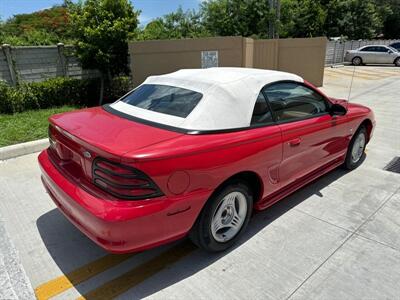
point(87, 154)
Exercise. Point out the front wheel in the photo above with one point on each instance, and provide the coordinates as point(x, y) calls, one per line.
point(223, 219)
point(397, 62)
point(356, 151)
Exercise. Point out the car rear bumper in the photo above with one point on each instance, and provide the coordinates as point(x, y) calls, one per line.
point(121, 226)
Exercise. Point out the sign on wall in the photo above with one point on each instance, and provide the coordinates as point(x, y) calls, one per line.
point(209, 59)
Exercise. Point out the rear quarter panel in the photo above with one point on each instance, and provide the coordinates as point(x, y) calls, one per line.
point(210, 159)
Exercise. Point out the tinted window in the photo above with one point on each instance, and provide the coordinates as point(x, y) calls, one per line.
point(382, 49)
point(261, 112)
point(395, 45)
point(164, 99)
point(290, 101)
point(369, 49)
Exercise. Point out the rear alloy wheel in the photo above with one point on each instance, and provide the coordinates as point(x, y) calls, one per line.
point(229, 217)
point(356, 150)
point(397, 62)
point(224, 217)
point(357, 61)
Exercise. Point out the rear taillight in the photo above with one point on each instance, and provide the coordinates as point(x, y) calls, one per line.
point(123, 181)
point(51, 137)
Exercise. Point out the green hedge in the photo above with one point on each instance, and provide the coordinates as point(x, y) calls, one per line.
point(117, 88)
point(57, 92)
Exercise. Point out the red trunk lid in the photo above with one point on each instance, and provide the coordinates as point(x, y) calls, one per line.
point(109, 133)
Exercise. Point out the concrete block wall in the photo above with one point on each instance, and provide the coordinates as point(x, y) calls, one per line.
point(38, 63)
point(4, 71)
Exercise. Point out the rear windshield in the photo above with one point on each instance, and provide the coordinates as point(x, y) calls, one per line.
point(164, 99)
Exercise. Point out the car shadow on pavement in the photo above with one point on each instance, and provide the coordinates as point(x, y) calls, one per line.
point(70, 249)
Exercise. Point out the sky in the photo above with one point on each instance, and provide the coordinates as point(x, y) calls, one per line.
point(150, 8)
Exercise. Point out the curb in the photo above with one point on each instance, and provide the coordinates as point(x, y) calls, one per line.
point(23, 149)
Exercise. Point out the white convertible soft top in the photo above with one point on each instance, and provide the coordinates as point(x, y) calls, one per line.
point(229, 96)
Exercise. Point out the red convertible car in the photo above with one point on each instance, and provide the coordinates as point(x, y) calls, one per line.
point(194, 152)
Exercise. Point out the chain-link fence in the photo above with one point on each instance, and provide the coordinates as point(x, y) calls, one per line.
point(335, 50)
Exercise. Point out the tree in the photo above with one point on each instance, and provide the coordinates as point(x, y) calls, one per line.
point(361, 20)
point(32, 38)
point(389, 11)
point(237, 17)
point(391, 28)
point(335, 22)
point(355, 19)
point(45, 27)
point(102, 29)
point(302, 18)
point(175, 25)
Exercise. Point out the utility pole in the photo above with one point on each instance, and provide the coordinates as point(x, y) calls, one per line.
point(278, 17)
point(272, 30)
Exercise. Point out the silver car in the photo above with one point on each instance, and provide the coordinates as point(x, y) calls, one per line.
point(373, 54)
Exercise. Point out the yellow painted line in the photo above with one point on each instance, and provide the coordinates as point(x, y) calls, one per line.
point(334, 74)
point(387, 74)
point(372, 73)
point(63, 283)
point(355, 76)
point(359, 72)
point(140, 273)
point(331, 74)
point(362, 73)
point(368, 77)
point(344, 71)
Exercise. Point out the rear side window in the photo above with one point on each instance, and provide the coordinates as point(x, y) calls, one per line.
point(382, 49)
point(261, 114)
point(164, 99)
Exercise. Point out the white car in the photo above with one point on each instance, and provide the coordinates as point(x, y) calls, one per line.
point(373, 54)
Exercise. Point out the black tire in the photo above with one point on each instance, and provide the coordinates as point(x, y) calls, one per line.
point(201, 233)
point(397, 62)
point(357, 61)
point(349, 163)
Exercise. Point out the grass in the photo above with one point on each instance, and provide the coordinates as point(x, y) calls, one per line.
point(26, 126)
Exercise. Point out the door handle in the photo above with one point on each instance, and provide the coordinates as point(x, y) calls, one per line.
point(295, 142)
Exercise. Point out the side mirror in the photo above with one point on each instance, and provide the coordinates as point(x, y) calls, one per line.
point(390, 51)
point(337, 110)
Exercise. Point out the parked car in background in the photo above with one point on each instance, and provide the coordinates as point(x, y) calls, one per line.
point(395, 46)
point(373, 54)
point(194, 152)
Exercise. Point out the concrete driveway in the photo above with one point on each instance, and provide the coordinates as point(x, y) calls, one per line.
point(337, 238)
